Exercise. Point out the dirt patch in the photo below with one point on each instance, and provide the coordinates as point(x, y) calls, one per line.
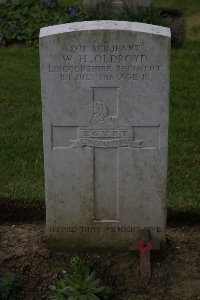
point(24, 252)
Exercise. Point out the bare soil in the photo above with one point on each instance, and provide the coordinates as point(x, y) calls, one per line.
point(24, 252)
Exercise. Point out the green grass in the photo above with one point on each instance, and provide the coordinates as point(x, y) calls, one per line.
point(193, 27)
point(184, 141)
point(189, 7)
point(21, 168)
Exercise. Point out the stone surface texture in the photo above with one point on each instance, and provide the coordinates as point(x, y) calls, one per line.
point(105, 92)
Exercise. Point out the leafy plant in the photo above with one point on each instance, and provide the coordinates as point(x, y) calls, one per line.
point(21, 20)
point(150, 15)
point(9, 287)
point(79, 284)
point(102, 11)
point(147, 15)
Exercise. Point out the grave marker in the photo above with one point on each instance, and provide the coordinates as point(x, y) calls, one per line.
point(105, 89)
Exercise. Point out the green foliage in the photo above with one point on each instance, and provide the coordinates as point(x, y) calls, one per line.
point(9, 287)
point(189, 7)
point(102, 11)
point(79, 284)
point(21, 20)
point(140, 14)
point(147, 15)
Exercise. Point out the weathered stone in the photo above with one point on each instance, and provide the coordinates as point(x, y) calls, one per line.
point(105, 90)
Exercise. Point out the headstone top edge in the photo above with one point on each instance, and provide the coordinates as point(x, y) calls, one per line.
point(105, 25)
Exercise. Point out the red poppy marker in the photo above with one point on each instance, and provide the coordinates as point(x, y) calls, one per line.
point(144, 245)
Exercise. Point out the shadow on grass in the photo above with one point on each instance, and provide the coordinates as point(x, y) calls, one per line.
point(183, 217)
point(17, 211)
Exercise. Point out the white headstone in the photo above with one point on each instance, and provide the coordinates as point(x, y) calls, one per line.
point(105, 89)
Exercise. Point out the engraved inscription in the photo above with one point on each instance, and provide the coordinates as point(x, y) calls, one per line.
point(104, 63)
point(104, 143)
point(106, 131)
point(104, 229)
point(104, 48)
point(106, 128)
point(82, 133)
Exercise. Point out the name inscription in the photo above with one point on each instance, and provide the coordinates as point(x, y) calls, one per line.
point(104, 63)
